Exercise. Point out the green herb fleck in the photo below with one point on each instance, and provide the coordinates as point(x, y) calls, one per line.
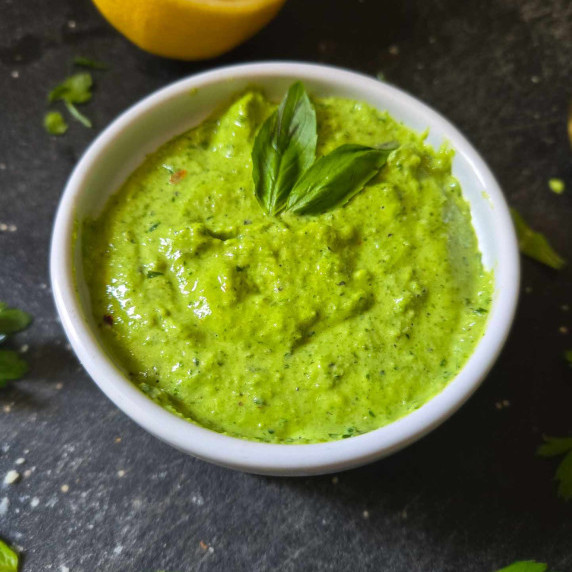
point(153, 274)
point(380, 76)
point(75, 89)
point(568, 357)
point(284, 147)
point(13, 320)
point(89, 63)
point(554, 447)
point(77, 114)
point(8, 558)
point(12, 367)
point(153, 226)
point(557, 186)
point(54, 123)
point(535, 245)
point(525, 566)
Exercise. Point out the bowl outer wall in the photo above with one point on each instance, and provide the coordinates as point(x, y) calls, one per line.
point(492, 222)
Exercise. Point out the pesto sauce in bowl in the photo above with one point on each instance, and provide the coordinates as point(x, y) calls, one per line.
point(288, 329)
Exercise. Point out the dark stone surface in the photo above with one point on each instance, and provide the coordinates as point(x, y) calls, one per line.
point(472, 496)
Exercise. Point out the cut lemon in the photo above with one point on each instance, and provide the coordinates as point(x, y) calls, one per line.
point(188, 29)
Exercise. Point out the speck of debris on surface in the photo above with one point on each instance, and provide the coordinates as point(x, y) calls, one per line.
point(565, 307)
point(2, 166)
point(535, 79)
point(563, 329)
point(65, 488)
point(12, 228)
point(20, 461)
point(24, 348)
point(7, 408)
point(11, 477)
point(4, 504)
point(394, 50)
point(59, 385)
point(203, 545)
point(210, 550)
point(34, 502)
point(366, 514)
point(64, 568)
point(118, 549)
point(72, 24)
point(15, 74)
point(43, 286)
point(121, 473)
point(335, 480)
point(118, 439)
point(27, 473)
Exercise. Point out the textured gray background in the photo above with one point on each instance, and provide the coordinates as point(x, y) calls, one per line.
point(470, 497)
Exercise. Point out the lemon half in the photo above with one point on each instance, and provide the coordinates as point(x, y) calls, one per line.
point(188, 29)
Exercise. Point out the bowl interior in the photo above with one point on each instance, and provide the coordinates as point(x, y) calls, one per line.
point(169, 112)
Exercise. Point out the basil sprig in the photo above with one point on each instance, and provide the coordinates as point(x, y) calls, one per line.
point(285, 172)
point(336, 177)
point(284, 148)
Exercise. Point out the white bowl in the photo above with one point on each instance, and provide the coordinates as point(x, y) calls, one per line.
point(176, 108)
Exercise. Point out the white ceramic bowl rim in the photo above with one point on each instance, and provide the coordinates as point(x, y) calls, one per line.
point(275, 458)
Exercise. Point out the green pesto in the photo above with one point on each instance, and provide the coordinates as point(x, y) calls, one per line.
point(289, 328)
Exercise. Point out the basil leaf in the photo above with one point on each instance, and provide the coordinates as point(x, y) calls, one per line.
point(284, 147)
point(13, 320)
point(8, 558)
point(12, 366)
point(534, 244)
point(336, 177)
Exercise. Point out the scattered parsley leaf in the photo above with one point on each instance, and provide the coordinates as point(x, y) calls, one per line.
point(556, 186)
point(556, 446)
point(76, 114)
point(12, 367)
point(54, 123)
point(89, 63)
point(284, 147)
point(75, 89)
point(8, 558)
point(525, 566)
point(534, 244)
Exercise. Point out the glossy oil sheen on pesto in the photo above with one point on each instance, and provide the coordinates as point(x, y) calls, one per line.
point(288, 328)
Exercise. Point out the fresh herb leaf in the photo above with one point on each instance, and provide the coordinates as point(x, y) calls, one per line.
point(75, 89)
point(534, 244)
point(568, 357)
point(553, 447)
point(336, 177)
point(13, 320)
point(54, 123)
point(525, 566)
point(12, 367)
point(284, 147)
point(76, 114)
point(8, 558)
point(153, 274)
point(88, 63)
